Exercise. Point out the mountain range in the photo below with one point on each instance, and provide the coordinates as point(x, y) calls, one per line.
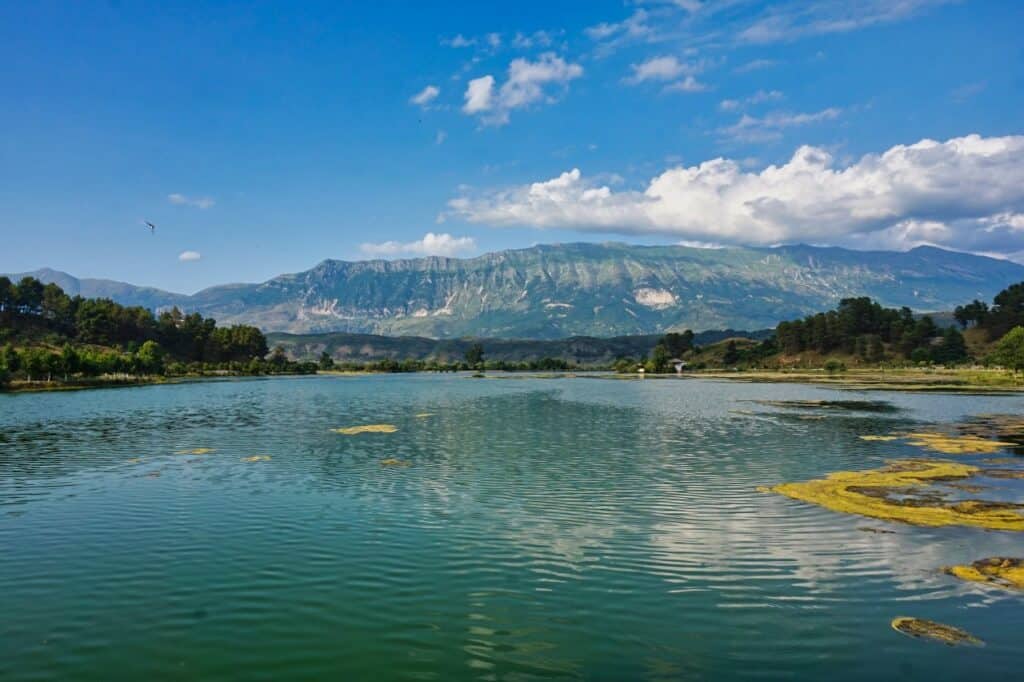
point(561, 290)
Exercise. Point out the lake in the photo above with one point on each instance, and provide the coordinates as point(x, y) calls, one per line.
point(510, 529)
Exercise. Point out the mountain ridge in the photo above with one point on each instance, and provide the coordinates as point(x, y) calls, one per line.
point(559, 290)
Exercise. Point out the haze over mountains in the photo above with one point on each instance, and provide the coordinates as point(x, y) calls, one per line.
point(556, 291)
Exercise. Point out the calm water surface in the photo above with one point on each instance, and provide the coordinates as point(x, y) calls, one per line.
point(545, 528)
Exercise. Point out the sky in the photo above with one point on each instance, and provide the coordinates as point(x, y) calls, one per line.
point(261, 138)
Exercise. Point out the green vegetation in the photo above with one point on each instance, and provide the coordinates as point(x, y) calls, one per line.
point(1009, 351)
point(52, 337)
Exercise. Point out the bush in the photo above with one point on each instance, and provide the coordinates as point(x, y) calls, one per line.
point(834, 366)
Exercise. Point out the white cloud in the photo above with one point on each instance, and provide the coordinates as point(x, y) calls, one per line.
point(459, 41)
point(425, 96)
point(430, 245)
point(479, 94)
point(688, 84)
point(611, 35)
point(523, 87)
point(440, 137)
point(757, 98)
point(755, 65)
point(770, 127)
point(798, 19)
point(667, 68)
point(965, 193)
point(189, 256)
point(195, 202)
point(536, 39)
point(657, 69)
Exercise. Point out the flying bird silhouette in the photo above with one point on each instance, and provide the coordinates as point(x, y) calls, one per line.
point(152, 227)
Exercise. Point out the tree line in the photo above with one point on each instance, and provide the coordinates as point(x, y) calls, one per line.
point(65, 336)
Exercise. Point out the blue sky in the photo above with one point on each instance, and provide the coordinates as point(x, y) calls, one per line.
point(262, 138)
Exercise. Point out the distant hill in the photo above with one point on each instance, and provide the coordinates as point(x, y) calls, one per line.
point(121, 292)
point(579, 350)
point(604, 290)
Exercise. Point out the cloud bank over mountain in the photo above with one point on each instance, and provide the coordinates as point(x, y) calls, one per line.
point(965, 193)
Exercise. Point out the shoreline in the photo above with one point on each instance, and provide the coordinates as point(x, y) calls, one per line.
point(966, 381)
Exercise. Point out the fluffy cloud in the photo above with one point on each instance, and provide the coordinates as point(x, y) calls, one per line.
point(189, 256)
point(965, 193)
point(479, 95)
point(424, 97)
point(431, 245)
point(524, 86)
point(667, 68)
point(196, 202)
point(657, 69)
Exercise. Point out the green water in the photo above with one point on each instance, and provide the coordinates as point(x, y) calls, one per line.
point(546, 528)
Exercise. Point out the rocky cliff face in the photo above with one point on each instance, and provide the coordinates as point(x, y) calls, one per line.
point(556, 291)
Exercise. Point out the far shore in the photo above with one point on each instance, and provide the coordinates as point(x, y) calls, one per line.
point(917, 379)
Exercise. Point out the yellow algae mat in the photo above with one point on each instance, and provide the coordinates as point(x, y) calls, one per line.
point(947, 444)
point(196, 451)
point(900, 492)
point(366, 428)
point(929, 629)
point(998, 571)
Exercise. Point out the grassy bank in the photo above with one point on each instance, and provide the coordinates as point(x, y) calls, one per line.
point(968, 379)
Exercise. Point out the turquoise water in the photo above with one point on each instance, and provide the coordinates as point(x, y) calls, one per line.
point(545, 528)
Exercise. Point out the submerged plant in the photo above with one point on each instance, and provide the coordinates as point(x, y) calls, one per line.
point(929, 629)
point(1003, 572)
point(901, 492)
point(196, 451)
point(366, 428)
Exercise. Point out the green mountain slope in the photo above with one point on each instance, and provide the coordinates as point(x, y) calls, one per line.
point(556, 291)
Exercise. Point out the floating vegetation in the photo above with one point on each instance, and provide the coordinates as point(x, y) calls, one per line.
point(196, 451)
point(393, 462)
point(880, 439)
point(1004, 427)
point(998, 571)
point(956, 445)
point(257, 458)
point(366, 428)
point(902, 491)
point(852, 405)
point(929, 629)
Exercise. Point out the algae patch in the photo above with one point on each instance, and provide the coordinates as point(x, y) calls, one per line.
point(902, 491)
point(850, 405)
point(366, 428)
point(196, 451)
point(956, 445)
point(1002, 572)
point(929, 629)
point(257, 458)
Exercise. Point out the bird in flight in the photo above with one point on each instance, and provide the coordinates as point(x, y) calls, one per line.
point(152, 227)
